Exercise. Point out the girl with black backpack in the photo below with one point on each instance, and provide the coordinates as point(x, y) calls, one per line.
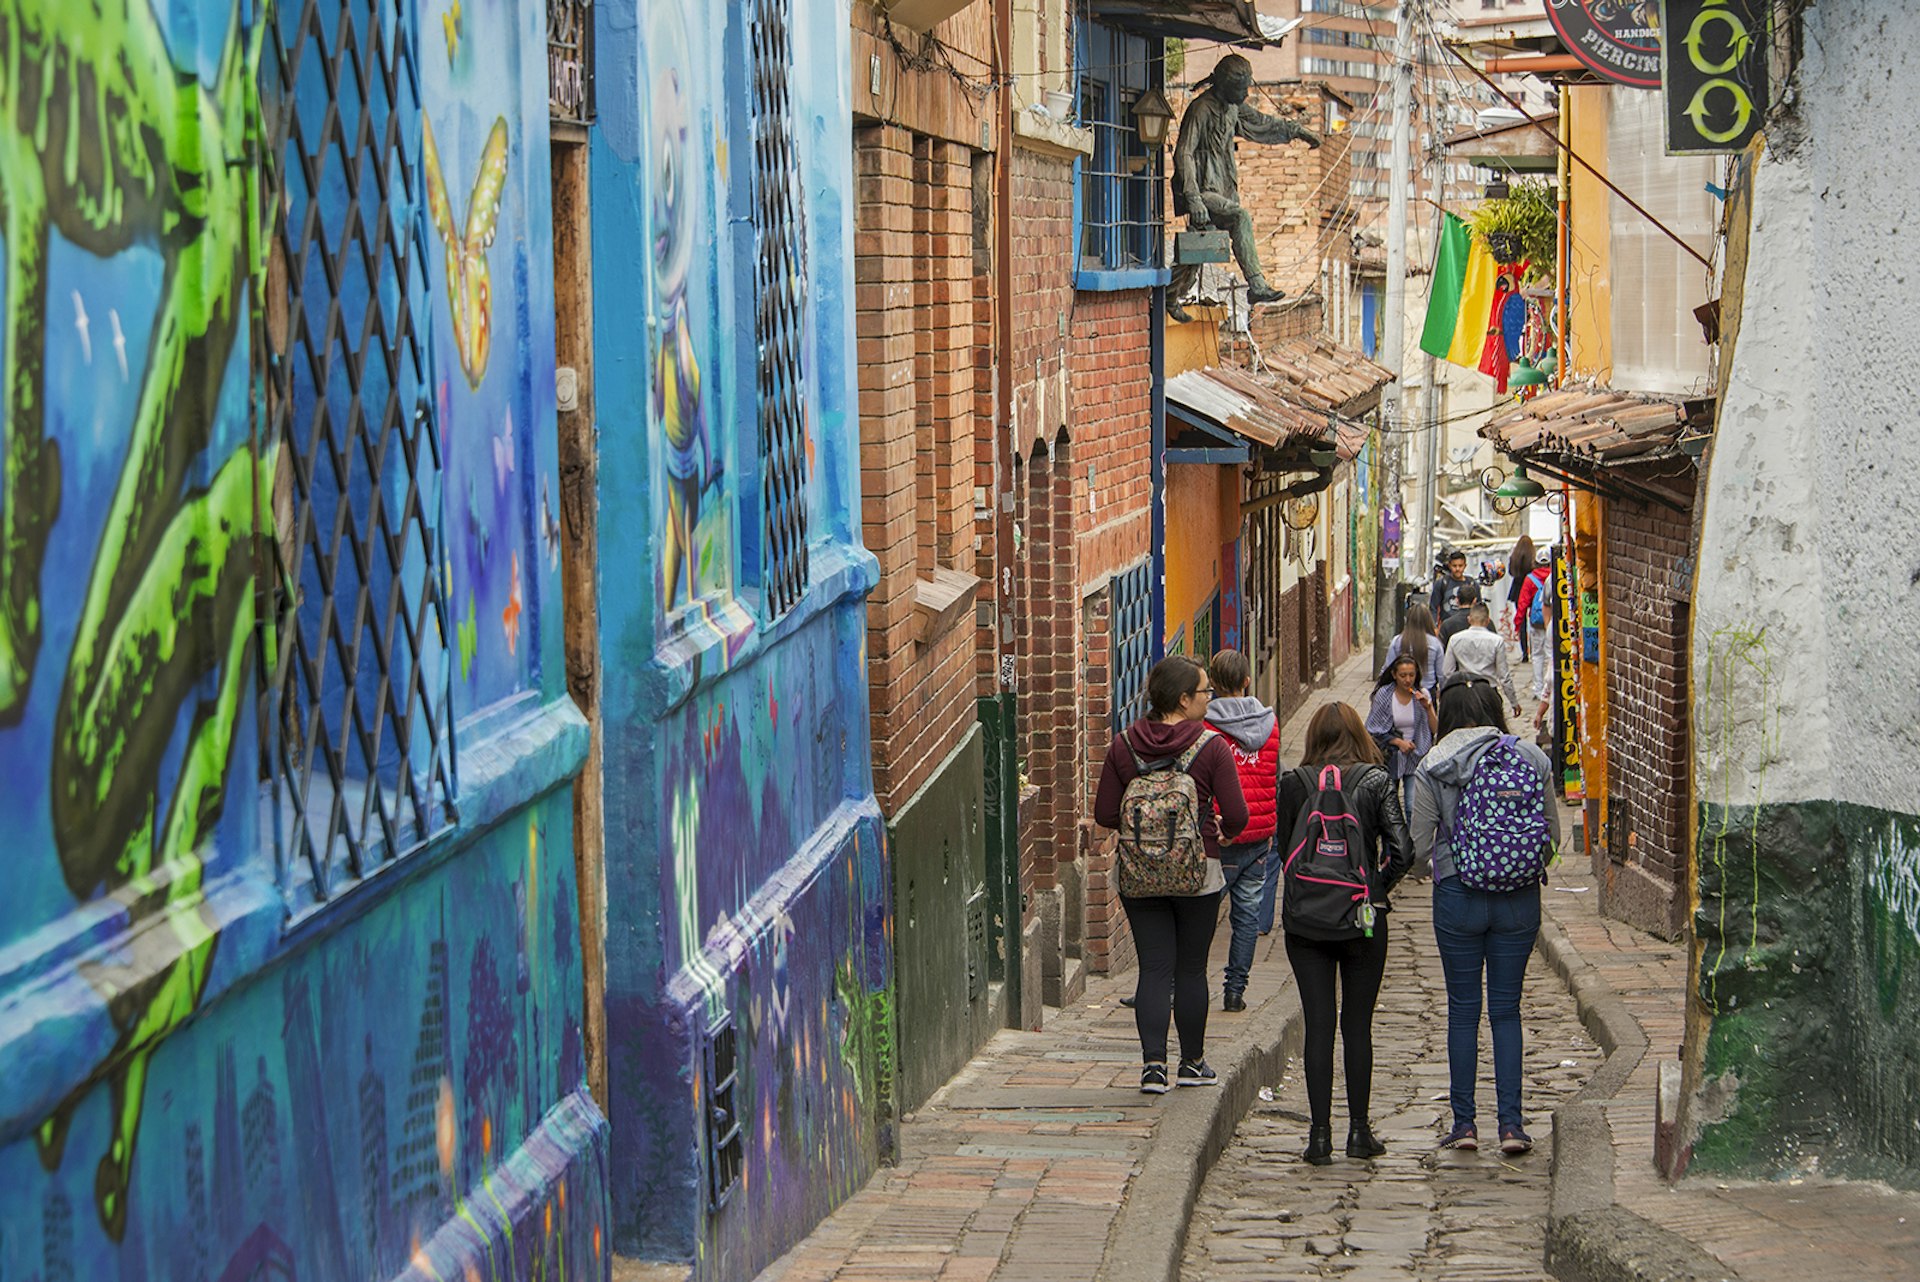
point(1482, 808)
point(1164, 780)
point(1348, 848)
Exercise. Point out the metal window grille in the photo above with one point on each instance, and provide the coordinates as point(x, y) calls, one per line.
point(779, 322)
point(570, 61)
point(1131, 624)
point(1121, 185)
point(356, 744)
point(726, 1149)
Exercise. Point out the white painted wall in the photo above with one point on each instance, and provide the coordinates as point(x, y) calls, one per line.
point(1807, 605)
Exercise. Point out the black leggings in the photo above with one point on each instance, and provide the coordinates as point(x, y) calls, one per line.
point(1172, 934)
point(1359, 963)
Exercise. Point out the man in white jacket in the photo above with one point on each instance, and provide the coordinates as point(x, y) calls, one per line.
point(1478, 649)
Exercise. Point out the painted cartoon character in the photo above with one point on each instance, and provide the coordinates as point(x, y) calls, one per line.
point(165, 168)
point(469, 281)
point(679, 401)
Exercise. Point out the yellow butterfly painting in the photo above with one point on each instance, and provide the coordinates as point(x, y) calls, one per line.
point(469, 282)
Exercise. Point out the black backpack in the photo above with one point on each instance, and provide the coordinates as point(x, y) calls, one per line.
point(1325, 890)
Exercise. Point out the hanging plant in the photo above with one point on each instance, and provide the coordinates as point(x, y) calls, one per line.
point(1523, 225)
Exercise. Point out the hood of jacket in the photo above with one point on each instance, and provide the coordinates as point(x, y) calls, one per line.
point(1452, 759)
point(1244, 719)
point(1156, 739)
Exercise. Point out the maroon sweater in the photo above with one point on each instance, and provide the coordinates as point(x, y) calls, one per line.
point(1213, 774)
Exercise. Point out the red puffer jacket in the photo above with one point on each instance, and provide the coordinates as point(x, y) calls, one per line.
point(1260, 783)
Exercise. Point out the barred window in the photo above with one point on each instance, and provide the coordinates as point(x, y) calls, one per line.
point(1131, 626)
point(357, 749)
point(1121, 183)
point(780, 318)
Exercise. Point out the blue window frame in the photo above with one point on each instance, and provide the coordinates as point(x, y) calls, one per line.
point(1120, 213)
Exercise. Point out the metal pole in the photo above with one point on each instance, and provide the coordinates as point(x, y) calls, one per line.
point(1393, 340)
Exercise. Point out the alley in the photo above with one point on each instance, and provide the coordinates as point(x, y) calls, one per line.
point(1417, 1212)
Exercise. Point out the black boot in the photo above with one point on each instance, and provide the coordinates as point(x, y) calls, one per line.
point(1361, 1141)
point(1319, 1149)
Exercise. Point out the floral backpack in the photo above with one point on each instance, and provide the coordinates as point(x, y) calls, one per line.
point(1161, 849)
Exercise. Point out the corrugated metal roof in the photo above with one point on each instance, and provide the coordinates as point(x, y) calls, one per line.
point(1594, 423)
point(1249, 407)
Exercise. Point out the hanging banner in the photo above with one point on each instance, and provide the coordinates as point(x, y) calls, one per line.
point(1566, 677)
point(1618, 40)
point(1715, 74)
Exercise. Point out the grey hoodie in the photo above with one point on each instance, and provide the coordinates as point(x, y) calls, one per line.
point(1244, 719)
point(1443, 776)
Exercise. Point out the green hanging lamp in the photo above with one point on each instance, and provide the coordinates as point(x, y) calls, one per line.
point(1520, 485)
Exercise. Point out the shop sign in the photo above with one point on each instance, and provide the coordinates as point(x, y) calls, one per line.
point(1566, 673)
point(1618, 40)
point(1715, 73)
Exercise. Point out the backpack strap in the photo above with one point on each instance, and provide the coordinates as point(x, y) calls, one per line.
point(1187, 758)
point(1335, 772)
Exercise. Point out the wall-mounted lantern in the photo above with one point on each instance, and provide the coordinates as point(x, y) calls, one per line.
point(1153, 118)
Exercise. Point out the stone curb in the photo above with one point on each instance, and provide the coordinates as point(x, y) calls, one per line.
point(1589, 1238)
point(1193, 1131)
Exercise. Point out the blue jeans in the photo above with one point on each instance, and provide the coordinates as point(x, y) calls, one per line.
point(1245, 868)
point(1484, 933)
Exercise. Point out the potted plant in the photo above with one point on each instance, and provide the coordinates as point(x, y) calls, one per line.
point(1524, 225)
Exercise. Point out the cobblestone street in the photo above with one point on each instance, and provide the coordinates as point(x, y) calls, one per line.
point(1417, 1212)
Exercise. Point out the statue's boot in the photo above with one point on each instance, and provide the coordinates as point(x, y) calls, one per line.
point(1261, 292)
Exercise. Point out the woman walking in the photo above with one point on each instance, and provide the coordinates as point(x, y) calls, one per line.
point(1484, 935)
point(1519, 567)
point(1402, 721)
point(1172, 932)
point(1356, 958)
point(1419, 639)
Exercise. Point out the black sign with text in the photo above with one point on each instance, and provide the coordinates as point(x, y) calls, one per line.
point(1617, 39)
point(1715, 73)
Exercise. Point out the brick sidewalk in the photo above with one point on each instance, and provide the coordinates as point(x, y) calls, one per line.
point(1019, 1167)
point(1762, 1231)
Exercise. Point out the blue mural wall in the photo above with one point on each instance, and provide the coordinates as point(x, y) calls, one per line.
point(748, 953)
point(213, 1070)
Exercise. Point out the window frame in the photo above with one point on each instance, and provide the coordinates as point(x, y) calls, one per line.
point(1131, 209)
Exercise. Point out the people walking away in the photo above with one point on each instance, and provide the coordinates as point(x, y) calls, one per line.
point(1347, 849)
point(1481, 652)
point(1401, 721)
point(1252, 732)
point(1455, 621)
point(1519, 569)
point(1534, 611)
point(1165, 779)
point(1481, 812)
point(1447, 586)
point(1417, 638)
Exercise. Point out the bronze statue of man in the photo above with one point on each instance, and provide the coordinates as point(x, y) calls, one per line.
point(1206, 179)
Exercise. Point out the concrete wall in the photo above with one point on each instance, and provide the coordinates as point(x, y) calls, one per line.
point(748, 892)
point(231, 1049)
point(1806, 638)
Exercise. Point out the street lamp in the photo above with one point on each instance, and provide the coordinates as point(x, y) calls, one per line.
point(1520, 485)
point(1152, 117)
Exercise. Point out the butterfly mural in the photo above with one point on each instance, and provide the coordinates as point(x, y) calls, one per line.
point(469, 281)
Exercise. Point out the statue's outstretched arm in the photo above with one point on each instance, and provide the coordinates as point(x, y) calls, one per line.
point(1256, 126)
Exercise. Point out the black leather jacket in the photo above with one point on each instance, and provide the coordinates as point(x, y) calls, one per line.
point(1375, 802)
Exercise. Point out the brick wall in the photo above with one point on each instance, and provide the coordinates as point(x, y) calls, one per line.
point(1641, 860)
point(1042, 292)
point(1109, 943)
point(913, 272)
point(1111, 386)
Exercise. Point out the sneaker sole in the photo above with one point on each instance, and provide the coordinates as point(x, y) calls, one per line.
point(1154, 1088)
point(1199, 1081)
point(1464, 1146)
point(1511, 1149)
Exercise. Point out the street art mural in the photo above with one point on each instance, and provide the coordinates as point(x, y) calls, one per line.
point(204, 1082)
point(751, 1026)
point(695, 523)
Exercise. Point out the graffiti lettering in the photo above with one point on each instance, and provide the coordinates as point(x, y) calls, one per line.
point(1893, 874)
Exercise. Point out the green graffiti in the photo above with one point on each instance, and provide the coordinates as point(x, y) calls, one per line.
point(1738, 660)
point(866, 1044)
point(105, 141)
